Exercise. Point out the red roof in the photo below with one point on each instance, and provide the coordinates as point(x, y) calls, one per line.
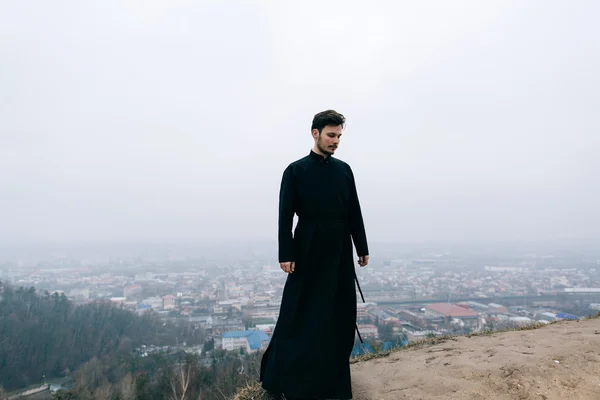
point(450, 310)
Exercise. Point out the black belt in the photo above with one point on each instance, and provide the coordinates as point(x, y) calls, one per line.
point(363, 299)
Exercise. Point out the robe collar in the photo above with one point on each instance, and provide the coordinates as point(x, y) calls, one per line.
point(319, 157)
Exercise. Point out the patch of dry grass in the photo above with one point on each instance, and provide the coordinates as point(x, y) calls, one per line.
point(252, 391)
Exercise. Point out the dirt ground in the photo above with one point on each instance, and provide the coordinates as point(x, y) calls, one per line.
point(559, 361)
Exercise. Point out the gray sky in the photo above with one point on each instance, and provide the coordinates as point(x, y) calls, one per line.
point(173, 120)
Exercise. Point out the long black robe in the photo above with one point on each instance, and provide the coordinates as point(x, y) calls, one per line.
point(308, 356)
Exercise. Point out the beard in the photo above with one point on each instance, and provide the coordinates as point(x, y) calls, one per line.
point(323, 149)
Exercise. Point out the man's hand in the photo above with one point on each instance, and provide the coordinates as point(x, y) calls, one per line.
point(288, 267)
point(363, 261)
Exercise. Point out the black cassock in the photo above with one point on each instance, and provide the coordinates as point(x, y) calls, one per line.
point(308, 356)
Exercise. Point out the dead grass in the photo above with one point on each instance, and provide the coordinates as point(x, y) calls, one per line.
point(254, 391)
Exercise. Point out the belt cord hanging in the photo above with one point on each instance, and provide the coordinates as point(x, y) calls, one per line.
point(363, 299)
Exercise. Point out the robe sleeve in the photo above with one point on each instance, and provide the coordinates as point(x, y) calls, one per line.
point(286, 216)
point(357, 226)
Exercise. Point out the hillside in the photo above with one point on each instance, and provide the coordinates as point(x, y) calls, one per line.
point(43, 335)
point(558, 361)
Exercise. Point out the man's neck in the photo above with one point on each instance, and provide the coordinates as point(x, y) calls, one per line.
point(319, 152)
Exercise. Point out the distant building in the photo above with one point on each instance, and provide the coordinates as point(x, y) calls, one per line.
point(412, 319)
point(479, 307)
point(168, 302)
point(250, 341)
point(118, 300)
point(143, 308)
point(562, 315)
point(451, 312)
point(414, 336)
point(497, 308)
point(361, 311)
point(80, 294)
point(220, 325)
point(520, 321)
point(380, 314)
point(368, 331)
point(132, 290)
point(154, 302)
point(223, 306)
point(546, 316)
point(582, 290)
point(494, 268)
point(267, 328)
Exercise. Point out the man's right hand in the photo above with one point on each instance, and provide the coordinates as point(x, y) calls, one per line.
point(288, 267)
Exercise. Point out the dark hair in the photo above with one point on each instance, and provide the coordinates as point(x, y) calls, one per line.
point(328, 117)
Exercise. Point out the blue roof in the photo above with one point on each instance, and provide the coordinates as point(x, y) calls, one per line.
point(387, 346)
point(255, 338)
point(362, 348)
point(563, 315)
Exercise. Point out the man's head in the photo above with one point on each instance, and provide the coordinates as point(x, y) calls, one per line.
point(326, 130)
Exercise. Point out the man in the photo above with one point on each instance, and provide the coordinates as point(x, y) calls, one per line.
point(308, 356)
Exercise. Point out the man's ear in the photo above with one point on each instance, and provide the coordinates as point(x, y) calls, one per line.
point(315, 133)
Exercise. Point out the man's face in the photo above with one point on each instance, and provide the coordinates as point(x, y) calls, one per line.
point(329, 139)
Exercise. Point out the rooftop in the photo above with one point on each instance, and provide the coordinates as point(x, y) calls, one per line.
point(450, 310)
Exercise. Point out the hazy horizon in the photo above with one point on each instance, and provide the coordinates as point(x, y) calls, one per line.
point(173, 121)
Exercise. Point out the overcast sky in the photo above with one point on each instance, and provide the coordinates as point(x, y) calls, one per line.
point(173, 120)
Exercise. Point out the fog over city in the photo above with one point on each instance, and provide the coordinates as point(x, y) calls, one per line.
point(142, 150)
point(155, 121)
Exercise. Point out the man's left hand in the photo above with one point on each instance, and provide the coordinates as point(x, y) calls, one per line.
point(363, 261)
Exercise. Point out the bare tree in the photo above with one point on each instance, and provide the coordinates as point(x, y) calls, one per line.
point(127, 388)
point(103, 392)
point(180, 382)
point(3, 395)
point(89, 376)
